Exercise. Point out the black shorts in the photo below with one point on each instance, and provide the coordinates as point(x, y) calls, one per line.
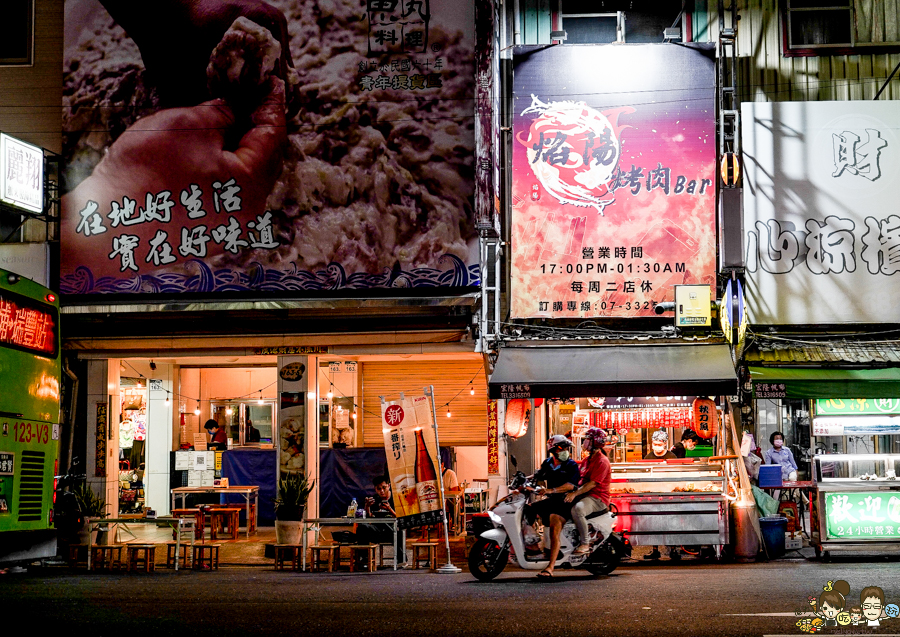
point(548, 506)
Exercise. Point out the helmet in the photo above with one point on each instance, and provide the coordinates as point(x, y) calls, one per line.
point(558, 441)
point(596, 437)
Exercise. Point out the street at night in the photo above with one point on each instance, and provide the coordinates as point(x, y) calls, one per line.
point(683, 599)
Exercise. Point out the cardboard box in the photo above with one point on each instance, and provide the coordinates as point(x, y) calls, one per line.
point(793, 543)
point(770, 475)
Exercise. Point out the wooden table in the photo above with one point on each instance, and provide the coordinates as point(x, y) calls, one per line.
point(247, 492)
point(180, 525)
point(318, 523)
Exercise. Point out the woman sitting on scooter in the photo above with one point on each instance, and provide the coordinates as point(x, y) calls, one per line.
point(593, 494)
point(560, 473)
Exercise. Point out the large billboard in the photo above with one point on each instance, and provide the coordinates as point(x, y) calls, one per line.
point(820, 212)
point(358, 174)
point(613, 197)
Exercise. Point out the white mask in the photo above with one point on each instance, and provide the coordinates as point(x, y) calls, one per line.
point(778, 443)
point(563, 456)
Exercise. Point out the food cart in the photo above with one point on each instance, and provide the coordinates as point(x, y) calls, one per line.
point(671, 503)
point(858, 503)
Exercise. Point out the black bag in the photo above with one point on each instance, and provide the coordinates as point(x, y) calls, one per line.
point(344, 537)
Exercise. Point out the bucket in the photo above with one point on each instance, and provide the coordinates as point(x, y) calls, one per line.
point(773, 530)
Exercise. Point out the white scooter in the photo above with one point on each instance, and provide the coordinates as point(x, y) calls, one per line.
point(505, 543)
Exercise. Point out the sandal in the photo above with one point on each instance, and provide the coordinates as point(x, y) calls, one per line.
point(583, 549)
point(545, 574)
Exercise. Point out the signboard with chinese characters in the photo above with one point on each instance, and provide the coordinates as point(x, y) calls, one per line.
point(21, 174)
point(614, 168)
point(493, 446)
point(822, 233)
point(410, 444)
point(362, 177)
point(769, 390)
point(871, 516)
point(856, 425)
point(857, 406)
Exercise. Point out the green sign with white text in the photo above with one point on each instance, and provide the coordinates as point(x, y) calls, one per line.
point(856, 406)
point(871, 516)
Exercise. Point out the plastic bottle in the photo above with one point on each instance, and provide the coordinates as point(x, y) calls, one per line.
point(351, 510)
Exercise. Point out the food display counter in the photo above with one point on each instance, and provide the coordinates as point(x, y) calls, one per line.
point(671, 503)
point(858, 502)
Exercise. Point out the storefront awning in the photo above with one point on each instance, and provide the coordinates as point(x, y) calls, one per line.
point(637, 370)
point(795, 382)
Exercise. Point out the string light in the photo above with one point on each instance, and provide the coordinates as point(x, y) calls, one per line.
point(260, 401)
point(448, 410)
point(330, 393)
point(197, 411)
point(228, 410)
point(168, 398)
point(471, 389)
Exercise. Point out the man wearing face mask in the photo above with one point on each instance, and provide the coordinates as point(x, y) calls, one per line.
point(781, 455)
point(560, 473)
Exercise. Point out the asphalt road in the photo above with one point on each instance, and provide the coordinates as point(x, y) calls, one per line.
point(666, 599)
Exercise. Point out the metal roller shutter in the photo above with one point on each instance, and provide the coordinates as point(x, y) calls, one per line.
point(468, 423)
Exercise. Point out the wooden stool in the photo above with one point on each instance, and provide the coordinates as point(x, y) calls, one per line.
point(356, 550)
point(106, 556)
point(251, 523)
point(283, 552)
point(75, 551)
point(220, 517)
point(141, 556)
point(322, 555)
point(382, 546)
point(170, 554)
point(206, 556)
point(430, 553)
point(197, 514)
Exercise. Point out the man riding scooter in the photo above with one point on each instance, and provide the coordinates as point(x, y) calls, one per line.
point(560, 473)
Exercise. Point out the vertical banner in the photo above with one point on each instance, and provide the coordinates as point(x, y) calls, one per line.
point(614, 168)
point(493, 445)
point(102, 422)
point(292, 382)
point(413, 460)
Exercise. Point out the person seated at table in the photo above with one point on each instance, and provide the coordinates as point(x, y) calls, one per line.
point(380, 506)
point(218, 437)
point(781, 455)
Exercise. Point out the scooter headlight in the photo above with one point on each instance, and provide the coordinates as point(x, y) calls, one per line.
point(494, 517)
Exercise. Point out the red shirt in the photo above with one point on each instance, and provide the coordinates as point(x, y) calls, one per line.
point(597, 469)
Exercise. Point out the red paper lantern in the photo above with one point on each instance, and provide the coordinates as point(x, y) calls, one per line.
point(518, 413)
point(705, 417)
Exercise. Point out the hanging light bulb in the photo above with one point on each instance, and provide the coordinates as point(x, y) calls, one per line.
point(168, 398)
point(330, 393)
point(229, 410)
point(197, 411)
point(471, 389)
point(260, 401)
point(354, 415)
point(448, 410)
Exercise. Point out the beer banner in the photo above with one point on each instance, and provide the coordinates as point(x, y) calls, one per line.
point(413, 461)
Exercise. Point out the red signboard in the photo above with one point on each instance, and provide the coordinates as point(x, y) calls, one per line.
point(27, 326)
point(614, 169)
point(493, 440)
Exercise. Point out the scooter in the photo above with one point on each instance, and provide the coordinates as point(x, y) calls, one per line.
point(505, 543)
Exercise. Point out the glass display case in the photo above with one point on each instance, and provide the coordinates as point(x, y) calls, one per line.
point(858, 501)
point(671, 504)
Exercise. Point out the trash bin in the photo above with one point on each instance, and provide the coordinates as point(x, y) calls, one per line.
point(746, 540)
point(773, 530)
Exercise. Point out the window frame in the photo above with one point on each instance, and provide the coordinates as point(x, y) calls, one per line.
point(28, 59)
point(820, 50)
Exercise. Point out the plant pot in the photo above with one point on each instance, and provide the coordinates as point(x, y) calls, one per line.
point(87, 534)
point(287, 531)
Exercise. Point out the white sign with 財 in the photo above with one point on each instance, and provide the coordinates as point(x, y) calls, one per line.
point(21, 174)
point(822, 227)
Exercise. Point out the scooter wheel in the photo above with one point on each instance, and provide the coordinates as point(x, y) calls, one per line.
point(487, 559)
point(603, 561)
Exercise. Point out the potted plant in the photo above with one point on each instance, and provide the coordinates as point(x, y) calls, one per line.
point(93, 507)
point(293, 492)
